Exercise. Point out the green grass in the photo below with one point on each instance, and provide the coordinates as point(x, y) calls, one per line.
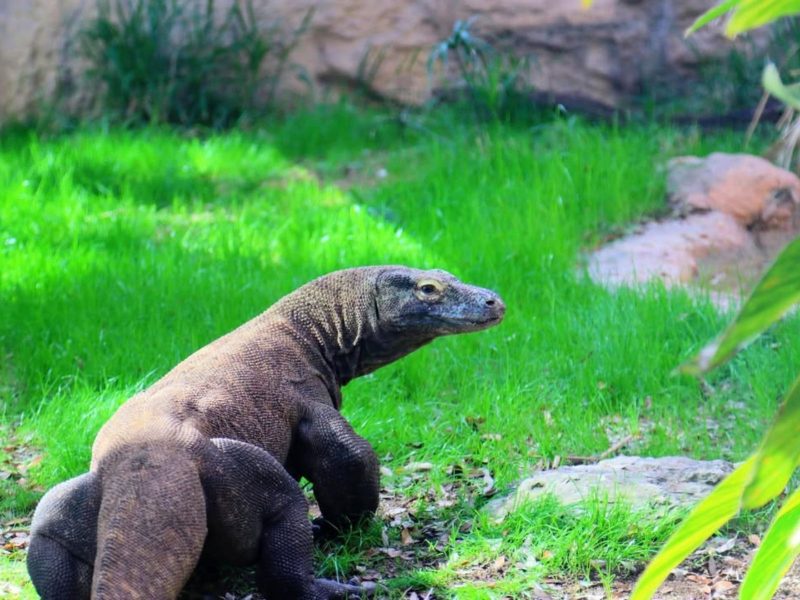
point(122, 252)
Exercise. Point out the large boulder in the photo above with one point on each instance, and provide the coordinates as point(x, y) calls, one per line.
point(601, 56)
point(749, 188)
point(732, 213)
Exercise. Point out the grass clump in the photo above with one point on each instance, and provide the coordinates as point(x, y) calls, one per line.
point(495, 82)
point(598, 539)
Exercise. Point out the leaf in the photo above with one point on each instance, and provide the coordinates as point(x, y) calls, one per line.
point(779, 453)
point(706, 518)
point(418, 466)
point(746, 14)
point(776, 553)
point(750, 14)
point(405, 537)
point(788, 94)
point(773, 296)
point(711, 14)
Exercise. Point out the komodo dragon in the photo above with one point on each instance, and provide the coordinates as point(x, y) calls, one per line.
point(207, 459)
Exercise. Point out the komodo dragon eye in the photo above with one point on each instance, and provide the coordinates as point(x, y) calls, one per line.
point(428, 288)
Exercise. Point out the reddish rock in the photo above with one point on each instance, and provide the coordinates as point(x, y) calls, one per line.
point(749, 188)
point(733, 214)
point(668, 251)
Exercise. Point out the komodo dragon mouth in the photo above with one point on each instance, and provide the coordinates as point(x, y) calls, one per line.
point(207, 460)
point(476, 324)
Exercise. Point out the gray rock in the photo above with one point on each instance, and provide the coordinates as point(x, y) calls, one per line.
point(669, 482)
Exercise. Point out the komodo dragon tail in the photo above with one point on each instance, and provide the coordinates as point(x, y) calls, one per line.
point(152, 523)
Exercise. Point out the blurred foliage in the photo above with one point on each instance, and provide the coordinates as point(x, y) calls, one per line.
point(744, 15)
point(495, 82)
point(186, 62)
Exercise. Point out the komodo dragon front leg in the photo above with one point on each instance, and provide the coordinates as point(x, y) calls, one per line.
point(341, 465)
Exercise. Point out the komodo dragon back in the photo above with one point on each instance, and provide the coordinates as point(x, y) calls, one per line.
point(207, 459)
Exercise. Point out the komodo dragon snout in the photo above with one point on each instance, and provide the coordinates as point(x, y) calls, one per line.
point(206, 460)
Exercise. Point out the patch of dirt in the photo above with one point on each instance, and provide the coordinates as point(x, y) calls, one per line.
point(14, 535)
point(17, 457)
point(713, 572)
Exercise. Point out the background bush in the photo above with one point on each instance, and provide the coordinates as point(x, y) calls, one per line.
point(184, 61)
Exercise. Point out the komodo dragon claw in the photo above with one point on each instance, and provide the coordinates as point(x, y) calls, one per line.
point(206, 460)
point(348, 590)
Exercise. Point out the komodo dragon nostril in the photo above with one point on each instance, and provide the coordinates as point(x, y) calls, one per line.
point(490, 303)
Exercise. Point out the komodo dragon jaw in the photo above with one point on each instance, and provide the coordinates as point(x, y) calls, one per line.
point(207, 459)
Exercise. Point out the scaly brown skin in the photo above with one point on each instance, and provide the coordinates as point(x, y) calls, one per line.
point(207, 459)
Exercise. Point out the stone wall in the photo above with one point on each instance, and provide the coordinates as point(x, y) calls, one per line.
point(601, 56)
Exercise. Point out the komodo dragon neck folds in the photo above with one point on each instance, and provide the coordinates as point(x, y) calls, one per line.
point(206, 461)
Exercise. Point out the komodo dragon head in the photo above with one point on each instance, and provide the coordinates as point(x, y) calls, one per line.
point(367, 317)
point(429, 304)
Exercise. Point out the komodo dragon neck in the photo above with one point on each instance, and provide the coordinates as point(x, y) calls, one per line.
point(338, 317)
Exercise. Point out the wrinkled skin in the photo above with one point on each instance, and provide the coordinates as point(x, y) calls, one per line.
point(206, 460)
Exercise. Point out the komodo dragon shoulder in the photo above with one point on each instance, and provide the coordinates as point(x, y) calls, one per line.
point(207, 459)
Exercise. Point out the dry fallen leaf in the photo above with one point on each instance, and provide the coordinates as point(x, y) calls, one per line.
point(723, 586)
point(722, 545)
point(488, 483)
point(405, 537)
point(418, 466)
point(9, 588)
point(499, 563)
point(699, 579)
